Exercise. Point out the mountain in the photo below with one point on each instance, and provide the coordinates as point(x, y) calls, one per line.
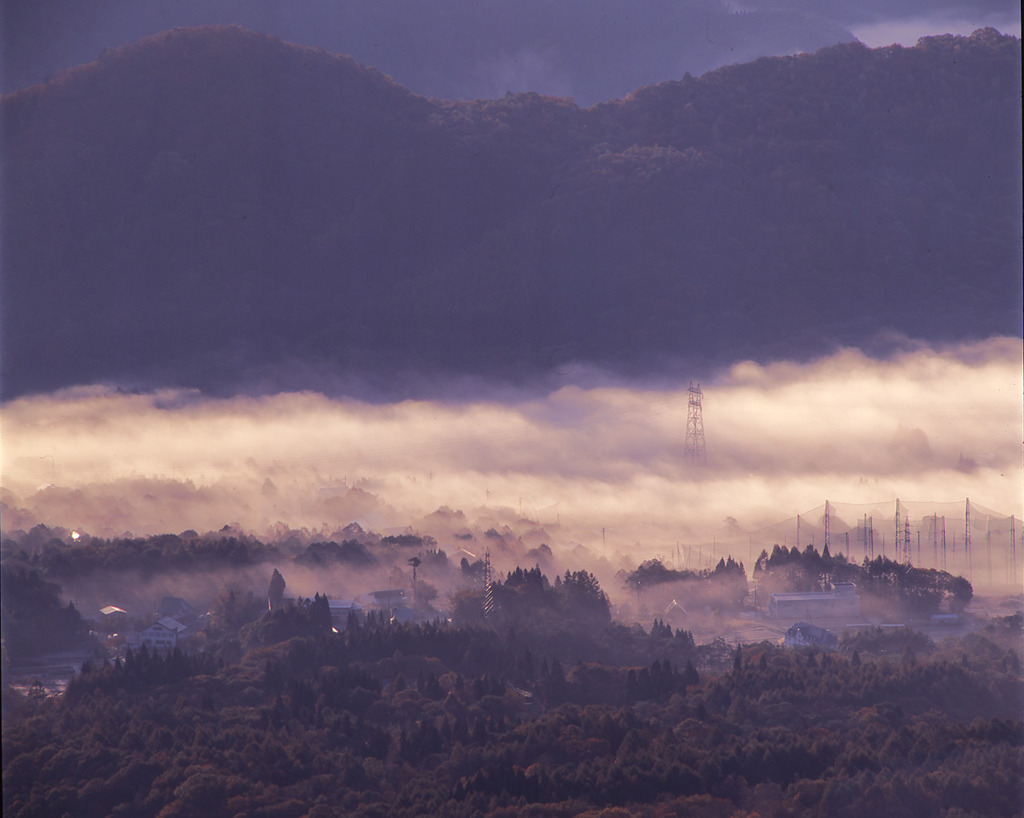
point(217, 208)
point(592, 50)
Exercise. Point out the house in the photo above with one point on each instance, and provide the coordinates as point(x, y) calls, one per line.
point(341, 609)
point(163, 634)
point(841, 601)
point(112, 619)
point(674, 614)
point(174, 607)
point(803, 634)
point(393, 603)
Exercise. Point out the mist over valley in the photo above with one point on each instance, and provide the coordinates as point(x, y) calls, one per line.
point(602, 466)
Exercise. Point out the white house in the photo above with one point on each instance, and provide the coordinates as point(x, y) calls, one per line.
point(163, 634)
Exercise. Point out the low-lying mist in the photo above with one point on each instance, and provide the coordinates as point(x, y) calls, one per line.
point(600, 466)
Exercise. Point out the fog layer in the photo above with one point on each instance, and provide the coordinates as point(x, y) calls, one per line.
point(596, 465)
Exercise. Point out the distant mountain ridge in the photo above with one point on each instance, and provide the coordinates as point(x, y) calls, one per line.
point(591, 50)
point(217, 208)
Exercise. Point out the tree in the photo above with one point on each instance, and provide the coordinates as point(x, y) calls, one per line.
point(275, 593)
point(320, 614)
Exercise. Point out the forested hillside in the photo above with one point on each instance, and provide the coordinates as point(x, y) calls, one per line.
point(210, 206)
point(592, 50)
point(528, 699)
point(310, 727)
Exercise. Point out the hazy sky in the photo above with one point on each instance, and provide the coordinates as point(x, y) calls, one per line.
point(929, 426)
point(908, 31)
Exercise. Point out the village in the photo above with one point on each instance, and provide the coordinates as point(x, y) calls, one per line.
point(792, 619)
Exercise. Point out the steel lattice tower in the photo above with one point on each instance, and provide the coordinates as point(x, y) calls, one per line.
point(903, 546)
point(1013, 548)
point(899, 532)
point(695, 447)
point(488, 585)
point(967, 535)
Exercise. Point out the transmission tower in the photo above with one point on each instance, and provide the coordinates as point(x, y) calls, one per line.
point(988, 545)
point(488, 585)
point(869, 538)
point(1013, 549)
point(967, 535)
point(695, 447)
point(899, 532)
point(944, 542)
point(904, 552)
point(827, 537)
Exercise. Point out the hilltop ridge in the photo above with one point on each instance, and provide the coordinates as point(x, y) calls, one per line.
point(216, 208)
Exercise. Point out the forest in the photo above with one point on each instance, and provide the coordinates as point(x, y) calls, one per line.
point(531, 699)
point(457, 719)
point(397, 238)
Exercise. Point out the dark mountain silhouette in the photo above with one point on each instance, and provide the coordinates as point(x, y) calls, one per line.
point(592, 50)
point(211, 207)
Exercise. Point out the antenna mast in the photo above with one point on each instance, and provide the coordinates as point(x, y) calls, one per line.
point(695, 447)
